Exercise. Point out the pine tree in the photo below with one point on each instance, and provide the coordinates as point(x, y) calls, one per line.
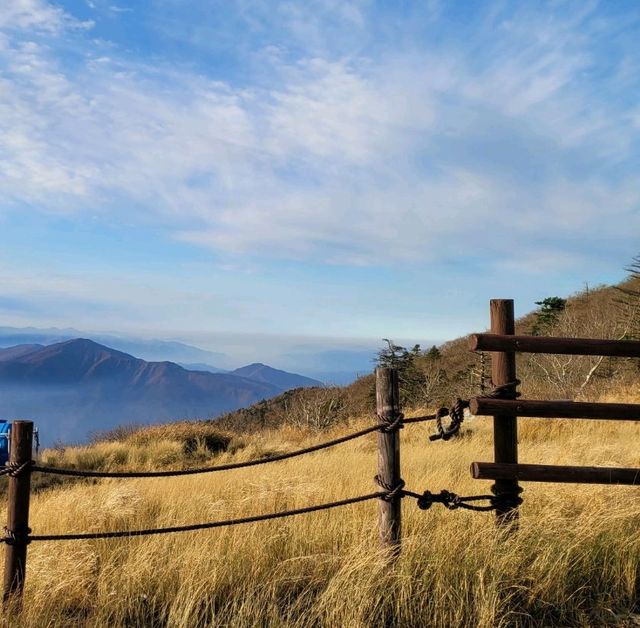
point(433, 354)
point(548, 313)
point(405, 362)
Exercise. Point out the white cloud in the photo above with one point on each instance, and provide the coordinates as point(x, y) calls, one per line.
point(358, 159)
point(36, 15)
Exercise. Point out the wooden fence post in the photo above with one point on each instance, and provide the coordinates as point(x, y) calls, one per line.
point(388, 408)
point(18, 510)
point(505, 426)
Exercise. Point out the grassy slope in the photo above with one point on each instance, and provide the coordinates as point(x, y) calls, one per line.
point(575, 561)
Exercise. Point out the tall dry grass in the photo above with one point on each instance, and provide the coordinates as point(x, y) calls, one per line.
point(574, 562)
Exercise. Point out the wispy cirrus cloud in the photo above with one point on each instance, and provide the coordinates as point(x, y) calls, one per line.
point(346, 154)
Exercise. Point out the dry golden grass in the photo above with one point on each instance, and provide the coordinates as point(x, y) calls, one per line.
point(575, 560)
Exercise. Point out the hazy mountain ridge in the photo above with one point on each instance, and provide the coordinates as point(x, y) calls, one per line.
point(316, 361)
point(10, 353)
point(147, 349)
point(201, 366)
point(259, 372)
point(77, 386)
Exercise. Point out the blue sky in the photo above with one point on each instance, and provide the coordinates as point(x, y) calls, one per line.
point(327, 168)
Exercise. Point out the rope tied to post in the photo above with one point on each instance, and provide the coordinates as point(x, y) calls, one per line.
point(16, 537)
point(456, 411)
point(391, 423)
point(504, 391)
point(391, 492)
point(15, 469)
point(506, 500)
point(451, 501)
point(425, 500)
point(384, 425)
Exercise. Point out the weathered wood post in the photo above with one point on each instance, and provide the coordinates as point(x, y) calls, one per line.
point(505, 426)
point(388, 409)
point(15, 561)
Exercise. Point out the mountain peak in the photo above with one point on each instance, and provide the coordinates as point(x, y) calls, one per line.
point(82, 344)
point(284, 380)
point(79, 385)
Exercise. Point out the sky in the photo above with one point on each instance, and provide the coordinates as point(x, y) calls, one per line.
point(326, 169)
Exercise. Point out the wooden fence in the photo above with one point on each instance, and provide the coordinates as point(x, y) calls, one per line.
point(503, 405)
point(503, 343)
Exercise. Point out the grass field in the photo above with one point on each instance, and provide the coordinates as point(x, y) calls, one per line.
point(574, 562)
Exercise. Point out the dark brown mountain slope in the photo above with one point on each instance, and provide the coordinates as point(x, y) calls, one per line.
point(76, 387)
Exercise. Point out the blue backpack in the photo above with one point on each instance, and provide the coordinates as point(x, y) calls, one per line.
point(5, 431)
point(5, 438)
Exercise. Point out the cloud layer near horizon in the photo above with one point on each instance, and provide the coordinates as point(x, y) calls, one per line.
point(519, 131)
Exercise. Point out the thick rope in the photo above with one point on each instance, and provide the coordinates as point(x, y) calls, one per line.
point(195, 526)
point(452, 501)
point(456, 411)
point(397, 423)
point(425, 501)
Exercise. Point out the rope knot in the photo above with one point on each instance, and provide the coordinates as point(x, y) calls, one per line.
point(391, 424)
point(448, 499)
point(393, 492)
point(14, 469)
point(13, 537)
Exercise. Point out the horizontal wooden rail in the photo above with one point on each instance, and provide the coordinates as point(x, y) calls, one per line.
point(486, 406)
point(541, 344)
point(551, 473)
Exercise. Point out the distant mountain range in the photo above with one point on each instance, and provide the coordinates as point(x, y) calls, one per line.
point(147, 349)
point(262, 373)
point(79, 386)
point(329, 364)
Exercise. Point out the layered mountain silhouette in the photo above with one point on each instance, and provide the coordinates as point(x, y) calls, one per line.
point(76, 387)
point(147, 349)
point(262, 373)
point(312, 359)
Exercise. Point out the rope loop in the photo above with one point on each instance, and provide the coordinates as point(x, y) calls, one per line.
point(456, 412)
point(392, 492)
point(391, 424)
